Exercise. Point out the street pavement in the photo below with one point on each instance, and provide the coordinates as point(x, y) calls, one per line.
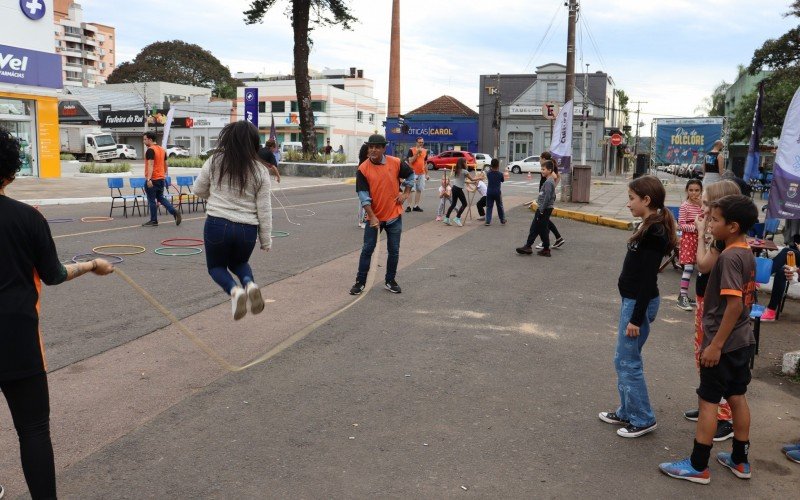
point(483, 378)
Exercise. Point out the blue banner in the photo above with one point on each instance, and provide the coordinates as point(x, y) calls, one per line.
point(686, 140)
point(784, 194)
point(30, 67)
point(753, 153)
point(251, 105)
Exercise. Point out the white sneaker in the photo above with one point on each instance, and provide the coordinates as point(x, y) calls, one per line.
point(539, 246)
point(254, 297)
point(238, 303)
point(458, 222)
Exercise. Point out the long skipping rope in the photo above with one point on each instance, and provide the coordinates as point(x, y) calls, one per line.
point(286, 343)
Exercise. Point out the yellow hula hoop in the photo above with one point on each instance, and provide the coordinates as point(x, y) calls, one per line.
point(99, 250)
point(96, 219)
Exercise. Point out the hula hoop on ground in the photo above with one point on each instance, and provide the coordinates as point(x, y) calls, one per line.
point(91, 256)
point(60, 220)
point(279, 234)
point(179, 242)
point(178, 251)
point(101, 249)
point(96, 219)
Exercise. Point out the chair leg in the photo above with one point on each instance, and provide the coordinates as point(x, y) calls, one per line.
point(783, 300)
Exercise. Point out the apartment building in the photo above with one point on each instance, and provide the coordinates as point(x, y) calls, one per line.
point(87, 49)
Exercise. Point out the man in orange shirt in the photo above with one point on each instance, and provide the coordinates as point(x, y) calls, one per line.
point(376, 184)
point(155, 171)
point(417, 158)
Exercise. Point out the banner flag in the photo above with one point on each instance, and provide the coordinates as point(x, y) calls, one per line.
point(167, 127)
point(753, 153)
point(784, 202)
point(251, 105)
point(273, 134)
point(561, 144)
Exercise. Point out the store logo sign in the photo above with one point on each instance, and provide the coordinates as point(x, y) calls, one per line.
point(33, 9)
point(30, 67)
point(13, 63)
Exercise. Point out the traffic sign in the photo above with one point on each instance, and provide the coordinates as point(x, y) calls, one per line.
point(550, 110)
point(616, 140)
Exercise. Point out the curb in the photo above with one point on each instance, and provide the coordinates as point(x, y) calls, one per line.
point(598, 220)
point(350, 181)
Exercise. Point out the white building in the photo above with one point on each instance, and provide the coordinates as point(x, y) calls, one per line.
point(345, 110)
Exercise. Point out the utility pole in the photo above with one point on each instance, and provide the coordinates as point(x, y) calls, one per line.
point(585, 114)
point(636, 141)
point(569, 92)
point(496, 121)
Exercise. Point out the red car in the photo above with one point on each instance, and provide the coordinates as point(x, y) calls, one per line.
point(448, 159)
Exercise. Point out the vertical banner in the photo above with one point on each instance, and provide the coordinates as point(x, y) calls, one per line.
point(273, 134)
point(753, 153)
point(784, 199)
point(251, 105)
point(561, 145)
point(167, 127)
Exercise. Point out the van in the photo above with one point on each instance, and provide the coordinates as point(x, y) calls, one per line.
point(291, 146)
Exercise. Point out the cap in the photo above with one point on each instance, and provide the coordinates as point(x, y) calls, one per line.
point(376, 139)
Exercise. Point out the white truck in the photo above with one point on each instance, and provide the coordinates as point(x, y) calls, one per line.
point(87, 143)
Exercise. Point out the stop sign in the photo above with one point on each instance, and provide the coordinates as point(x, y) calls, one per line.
point(616, 140)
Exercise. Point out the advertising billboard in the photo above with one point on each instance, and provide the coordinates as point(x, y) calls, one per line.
point(685, 140)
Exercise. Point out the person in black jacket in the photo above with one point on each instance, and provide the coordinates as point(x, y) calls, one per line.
point(638, 286)
point(29, 258)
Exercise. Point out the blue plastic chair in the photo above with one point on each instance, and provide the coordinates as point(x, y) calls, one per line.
point(763, 274)
point(186, 182)
point(115, 185)
point(137, 185)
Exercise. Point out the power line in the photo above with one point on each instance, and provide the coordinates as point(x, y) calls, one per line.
point(536, 51)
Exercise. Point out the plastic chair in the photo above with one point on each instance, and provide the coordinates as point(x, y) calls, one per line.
point(116, 184)
point(675, 211)
point(187, 181)
point(770, 228)
point(763, 274)
point(137, 185)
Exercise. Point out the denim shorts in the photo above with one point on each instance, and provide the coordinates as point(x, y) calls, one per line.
point(419, 183)
point(729, 378)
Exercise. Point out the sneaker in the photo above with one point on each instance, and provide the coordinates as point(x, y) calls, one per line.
point(238, 303)
point(790, 447)
point(631, 431)
point(408, 209)
point(488, 224)
point(458, 222)
point(357, 288)
point(417, 209)
point(524, 250)
point(611, 417)
point(438, 218)
point(539, 246)
point(768, 315)
point(724, 430)
point(482, 217)
point(693, 302)
point(393, 287)
point(683, 470)
point(692, 415)
point(150, 223)
point(793, 455)
point(742, 470)
point(683, 303)
point(502, 221)
point(2, 491)
point(559, 243)
point(178, 218)
point(447, 221)
point(544, 252)
point(254, 297)
point(362, 225)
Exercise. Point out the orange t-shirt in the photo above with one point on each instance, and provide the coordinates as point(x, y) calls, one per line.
point(383, 187)
point(159, 162)
point(419, 164)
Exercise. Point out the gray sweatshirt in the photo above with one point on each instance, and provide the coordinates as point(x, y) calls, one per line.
point(547, 196)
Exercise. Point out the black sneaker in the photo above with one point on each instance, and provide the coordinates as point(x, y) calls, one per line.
point(150, 223)
point(544, 252)
point(559, 243)
point(417, 209)
point(631, 431)
point(693, 302)
point(408, 209)
point(724, 430)
point(524, 250)
point(692, 415)
point(683, 303)
point(611, 417)
point(178, 218)
point(393, 287)
point(357, 288)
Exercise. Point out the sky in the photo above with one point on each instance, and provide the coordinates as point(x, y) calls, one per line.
point(667, 54)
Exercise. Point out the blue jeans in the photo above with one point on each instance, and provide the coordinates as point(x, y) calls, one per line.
point(156, 194)
point(634, 401)
point(229, 246)
point(393, 232)
point(491, 200)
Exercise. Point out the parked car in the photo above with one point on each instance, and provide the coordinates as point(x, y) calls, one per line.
point(482, 160)
point(206, 153)
point(173, 150)
point(125, 152)
point(697, 171)
point(448, 159)
point(529, 164)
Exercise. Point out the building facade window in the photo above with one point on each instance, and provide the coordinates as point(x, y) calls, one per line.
point(318, 106)
point(293, 106)
point(552, 91)
point(520, 145)
point(262, 107)
point(278, 106)
point(184, 142)
point(372, 117)
point(360, 116)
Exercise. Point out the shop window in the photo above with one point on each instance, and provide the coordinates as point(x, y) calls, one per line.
point(278, 106)
point(262, 107)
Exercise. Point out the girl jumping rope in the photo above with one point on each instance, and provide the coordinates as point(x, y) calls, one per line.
point(638, 286)
point(688, 212)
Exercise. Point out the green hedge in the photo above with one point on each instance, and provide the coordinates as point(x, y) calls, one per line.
point(298, 156)
point(114, 168)
point(192, 162)
point(67, 156)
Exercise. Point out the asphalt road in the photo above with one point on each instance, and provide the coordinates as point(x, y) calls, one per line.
point(483, 378)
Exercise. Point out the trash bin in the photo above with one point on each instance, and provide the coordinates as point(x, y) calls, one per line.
point(581, 182)
point(642, 165)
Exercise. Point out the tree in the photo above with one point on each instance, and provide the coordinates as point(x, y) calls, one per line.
point(177, 62)
point(326, 13)
point(714, 105)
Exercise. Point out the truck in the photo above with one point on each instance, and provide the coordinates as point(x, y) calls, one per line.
point(87, 143)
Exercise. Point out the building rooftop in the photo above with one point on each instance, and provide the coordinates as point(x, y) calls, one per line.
point(444, 105)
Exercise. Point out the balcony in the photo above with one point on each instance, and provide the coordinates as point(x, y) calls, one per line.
point(92, 56)
point(71, 51)
point(90, 41)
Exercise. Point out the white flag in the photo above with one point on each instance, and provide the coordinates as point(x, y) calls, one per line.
point(784, 195)
point(561, 145)
point(167, 127)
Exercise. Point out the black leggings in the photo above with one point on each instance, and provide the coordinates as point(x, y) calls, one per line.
point(553, 229)
point(458, 194)
point(29, 402)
